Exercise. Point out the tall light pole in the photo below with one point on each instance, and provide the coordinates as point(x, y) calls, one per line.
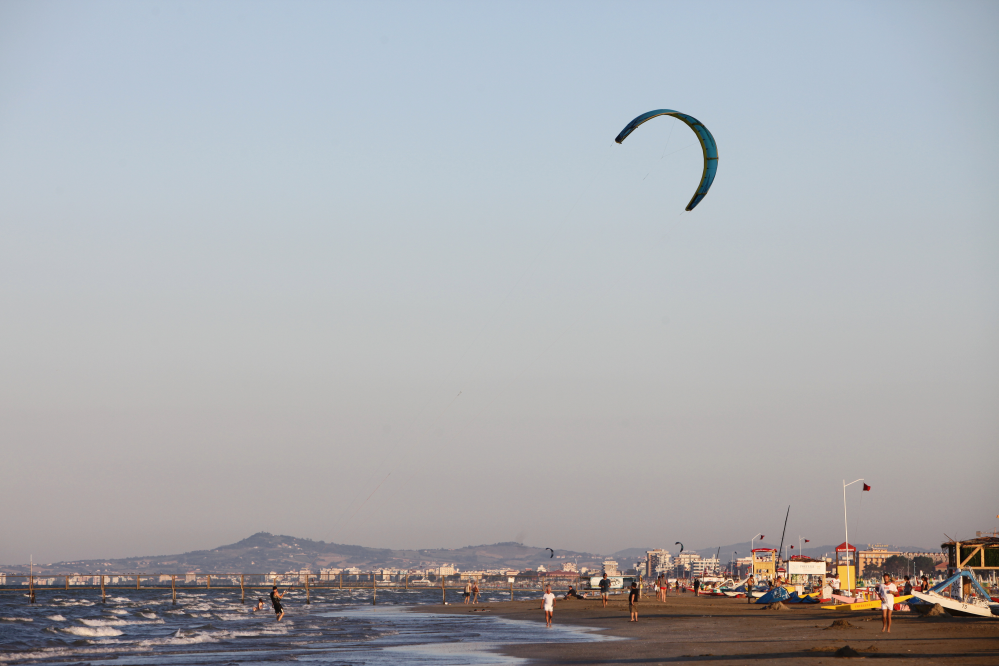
point(846, 529)
point(751, 541)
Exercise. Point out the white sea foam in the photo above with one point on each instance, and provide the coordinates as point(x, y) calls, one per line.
point(180, 638)
point(75, 602)
point(50, 653)
point(16, 619)
point(103, 623)
point(57, 618)
point(233, 616)
point(92, 631)
point(44, 653)
point(90, 622)
point(118, 611)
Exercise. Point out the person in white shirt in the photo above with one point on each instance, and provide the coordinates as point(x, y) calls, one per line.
point(886, 591)
point(548, 604)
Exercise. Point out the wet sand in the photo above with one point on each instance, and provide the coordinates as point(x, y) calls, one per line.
point(730, 631)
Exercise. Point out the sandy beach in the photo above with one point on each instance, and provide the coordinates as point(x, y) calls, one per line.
point(730, 631)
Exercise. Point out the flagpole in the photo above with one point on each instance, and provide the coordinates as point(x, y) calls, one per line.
point(846, 527)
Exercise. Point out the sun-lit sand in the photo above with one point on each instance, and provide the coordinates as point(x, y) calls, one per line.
point(730, 631)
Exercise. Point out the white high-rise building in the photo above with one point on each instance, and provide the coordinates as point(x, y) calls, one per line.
point(610, 568)
point(656, 561)
point(687, 562)
point(704, 567)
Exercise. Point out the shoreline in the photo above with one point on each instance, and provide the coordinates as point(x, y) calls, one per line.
point(730, 631)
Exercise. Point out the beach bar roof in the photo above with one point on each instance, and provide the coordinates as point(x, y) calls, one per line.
point(978, 553)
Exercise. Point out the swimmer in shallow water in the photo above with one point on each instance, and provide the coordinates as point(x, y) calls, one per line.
point(258, 607)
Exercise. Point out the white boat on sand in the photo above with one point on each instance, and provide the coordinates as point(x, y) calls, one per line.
point(961, 595)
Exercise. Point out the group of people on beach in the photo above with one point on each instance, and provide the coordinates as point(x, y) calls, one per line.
point(662, 587)
point(886, 591)
point(471, 592)
point(548, 599)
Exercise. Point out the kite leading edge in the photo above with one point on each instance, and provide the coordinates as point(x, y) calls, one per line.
point(708, 146)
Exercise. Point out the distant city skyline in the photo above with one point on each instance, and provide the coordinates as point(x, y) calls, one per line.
point(644, 558)
point(377, 273)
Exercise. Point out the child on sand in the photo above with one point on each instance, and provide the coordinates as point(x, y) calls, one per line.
point(633, 602)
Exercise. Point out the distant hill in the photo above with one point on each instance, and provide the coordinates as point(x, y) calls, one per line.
point(264, 552)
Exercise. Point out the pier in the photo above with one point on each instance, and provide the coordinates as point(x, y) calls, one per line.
point(106, 583)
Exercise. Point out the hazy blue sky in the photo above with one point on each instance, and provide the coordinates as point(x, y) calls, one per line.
point(250, 253)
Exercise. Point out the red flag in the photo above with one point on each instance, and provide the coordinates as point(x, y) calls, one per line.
point(806, 540)
point(866, 487)
point(763, 535)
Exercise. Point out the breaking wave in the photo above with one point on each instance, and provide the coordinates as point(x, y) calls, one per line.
point(93, 632)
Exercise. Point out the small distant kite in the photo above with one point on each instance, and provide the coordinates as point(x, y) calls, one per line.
point(553, 553)
point(679, 544)
point(708, 146)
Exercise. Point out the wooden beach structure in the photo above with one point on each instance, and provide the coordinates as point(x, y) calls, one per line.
point(980, 554)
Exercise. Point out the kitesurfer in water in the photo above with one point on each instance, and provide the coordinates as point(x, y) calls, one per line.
point(276, 597)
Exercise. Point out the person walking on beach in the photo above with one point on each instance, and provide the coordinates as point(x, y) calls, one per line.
point(907, 589)
point(697, 587)
point(475, 592)
point(886, 591)
point(750, 584)
point(548, 605)
point(276, 597)
point(604, 589)
point(633, 595)
point(468, 592)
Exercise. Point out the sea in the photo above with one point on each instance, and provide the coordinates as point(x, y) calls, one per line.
point(145, 627)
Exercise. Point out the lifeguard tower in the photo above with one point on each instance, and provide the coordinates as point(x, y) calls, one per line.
point(765, 563)
point(846, 558)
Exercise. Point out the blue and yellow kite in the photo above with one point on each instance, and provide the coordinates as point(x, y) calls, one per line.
point(703, 135)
